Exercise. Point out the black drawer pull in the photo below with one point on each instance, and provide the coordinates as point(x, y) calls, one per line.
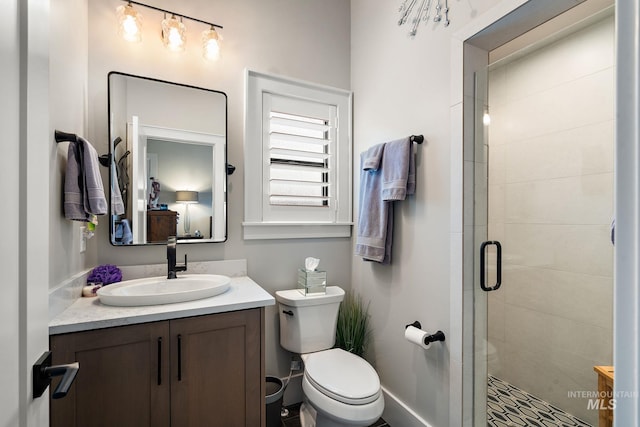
point(179, 357)
point(159, 360)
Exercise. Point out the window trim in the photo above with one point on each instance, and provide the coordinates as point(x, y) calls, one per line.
point(254, 226)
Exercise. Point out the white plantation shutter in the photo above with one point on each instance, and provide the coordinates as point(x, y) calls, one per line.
point(297, 158)
point(299, 169)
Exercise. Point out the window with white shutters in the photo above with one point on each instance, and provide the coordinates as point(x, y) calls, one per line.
point(298, 159)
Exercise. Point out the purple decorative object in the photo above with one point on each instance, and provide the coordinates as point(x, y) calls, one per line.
point(105, 274)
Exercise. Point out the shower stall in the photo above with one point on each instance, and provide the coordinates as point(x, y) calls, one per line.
point(542, 182)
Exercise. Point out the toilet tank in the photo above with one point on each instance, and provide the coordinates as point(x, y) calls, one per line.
point(308, 323)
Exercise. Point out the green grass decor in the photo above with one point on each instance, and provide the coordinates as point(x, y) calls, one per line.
point(352, 331)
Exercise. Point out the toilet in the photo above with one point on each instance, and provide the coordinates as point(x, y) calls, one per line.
point(340, 388)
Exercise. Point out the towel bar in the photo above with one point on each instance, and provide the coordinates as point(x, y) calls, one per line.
point(105, 159)
point(418, 139)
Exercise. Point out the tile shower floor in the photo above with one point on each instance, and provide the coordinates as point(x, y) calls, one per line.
point(507, 405)
point(293, 419)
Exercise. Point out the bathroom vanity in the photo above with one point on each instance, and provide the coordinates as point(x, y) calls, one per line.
point(187, 364)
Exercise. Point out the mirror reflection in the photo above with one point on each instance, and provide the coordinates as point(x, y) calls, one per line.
point(168, 174)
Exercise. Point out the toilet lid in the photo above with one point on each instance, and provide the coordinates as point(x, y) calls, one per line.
point(342, 376)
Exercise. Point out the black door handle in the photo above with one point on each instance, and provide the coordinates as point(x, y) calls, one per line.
point(43, 372)
point(483, 278)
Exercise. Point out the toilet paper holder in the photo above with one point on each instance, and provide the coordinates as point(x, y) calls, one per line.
point(437, 336)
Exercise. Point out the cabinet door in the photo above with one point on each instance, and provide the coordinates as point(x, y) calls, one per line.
point(123, 378)
point(217, 372)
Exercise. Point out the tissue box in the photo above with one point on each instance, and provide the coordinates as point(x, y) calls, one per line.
point(312, 282)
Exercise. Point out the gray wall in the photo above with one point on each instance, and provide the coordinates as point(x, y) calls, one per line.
point(402, 86)
point(68, 89)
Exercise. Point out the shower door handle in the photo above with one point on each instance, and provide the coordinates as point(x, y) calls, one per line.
point(483, 277)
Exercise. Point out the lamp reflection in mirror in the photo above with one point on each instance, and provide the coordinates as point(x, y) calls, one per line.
point(129, 23)
point(186, 197)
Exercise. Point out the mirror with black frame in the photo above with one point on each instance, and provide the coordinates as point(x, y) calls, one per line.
point(168, 173)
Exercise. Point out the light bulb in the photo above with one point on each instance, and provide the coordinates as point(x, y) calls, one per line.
point(486, 118)
point(173, 34)
point(211, 44)
point(129, 23)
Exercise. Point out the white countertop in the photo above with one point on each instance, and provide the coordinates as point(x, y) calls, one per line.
point(88, 313)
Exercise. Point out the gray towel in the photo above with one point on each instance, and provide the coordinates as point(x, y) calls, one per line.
point(372, 157)
point(117, 205)
point(398, 170)
point(388, 174)
point(94, 200)
point(74, 185)
point(374, 212)
point(83, 191)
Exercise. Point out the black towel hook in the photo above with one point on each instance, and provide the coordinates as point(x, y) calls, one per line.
point(105, 159)
point(64, 136)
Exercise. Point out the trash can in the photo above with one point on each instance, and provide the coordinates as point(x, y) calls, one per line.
point(275, 393)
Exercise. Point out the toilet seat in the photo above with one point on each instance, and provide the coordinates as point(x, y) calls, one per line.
point(342, 376)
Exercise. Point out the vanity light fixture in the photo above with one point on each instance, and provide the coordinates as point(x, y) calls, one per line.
point(186, 197)
point(173, 34)
point(174, 31)
point(129, 23)
point(211, 44)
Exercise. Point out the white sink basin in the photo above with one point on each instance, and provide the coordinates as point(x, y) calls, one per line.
point(160, 290)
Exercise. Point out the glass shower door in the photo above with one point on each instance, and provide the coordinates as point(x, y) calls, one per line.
point(542, 184)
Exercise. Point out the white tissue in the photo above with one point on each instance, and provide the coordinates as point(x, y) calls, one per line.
point(311, 263)
point(416, 336)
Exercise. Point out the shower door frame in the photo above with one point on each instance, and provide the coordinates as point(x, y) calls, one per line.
point(470, 54)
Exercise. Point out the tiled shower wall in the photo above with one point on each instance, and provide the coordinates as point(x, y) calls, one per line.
point(551, 146)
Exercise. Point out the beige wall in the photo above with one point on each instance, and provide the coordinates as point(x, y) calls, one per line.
point(551, 146)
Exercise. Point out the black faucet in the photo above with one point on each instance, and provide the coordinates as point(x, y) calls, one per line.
point(172, 268)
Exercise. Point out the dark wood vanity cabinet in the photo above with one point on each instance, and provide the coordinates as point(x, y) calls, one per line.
point(196, 371)
point(161, 225)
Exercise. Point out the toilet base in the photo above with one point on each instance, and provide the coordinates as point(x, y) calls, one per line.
point(309, 417)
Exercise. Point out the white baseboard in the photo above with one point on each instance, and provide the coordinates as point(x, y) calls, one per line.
point(396, 413)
